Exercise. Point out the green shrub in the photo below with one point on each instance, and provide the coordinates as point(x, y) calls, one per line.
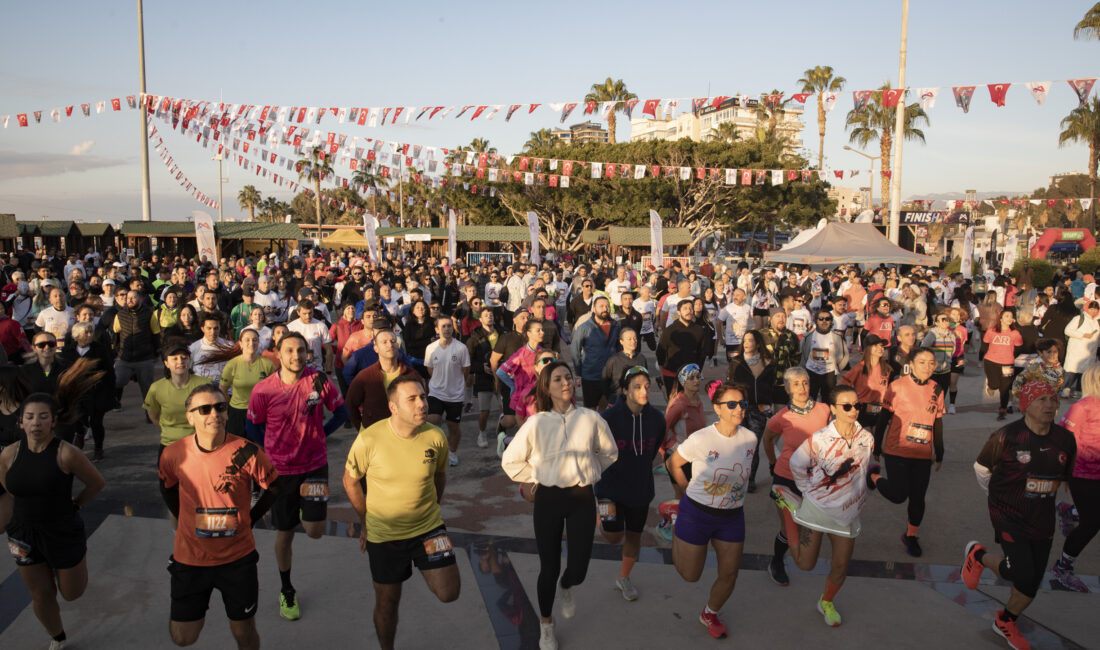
point(955, 266)
point(1089, 260)
point(1044, 271)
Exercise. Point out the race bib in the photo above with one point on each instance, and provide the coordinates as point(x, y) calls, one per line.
point(438, 546)
point(1038, 488)
point(215, 522)
point(606, 509)
point(314, 489)
point(920, 434)
point(874, 407)
point(820, 355)
point(21, 551)
point(1006, 371)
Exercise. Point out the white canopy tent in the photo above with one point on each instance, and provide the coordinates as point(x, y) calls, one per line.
point(805, 235)
point(847, 243)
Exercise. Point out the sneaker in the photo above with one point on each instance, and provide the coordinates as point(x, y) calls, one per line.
point(912, 545)
point(951, 409)
point(482, 439)
point(56, 645)
point(752, 486)
point(664, 531)
point(627, 587)
point(288, 606)
point(97, 455)
point(452, 459)
point(1065, 392)
point(972, 569)
point(500, 444)
point(828, 610)
point(546, 637)
point(568, 605)
point(871, 471)
point(1010, 632)
point(781, 501)
point(777, 571)
point(714, 624)
point(1065, 578)
point(1067, 517)
point(469, 407)
point(1001, 415)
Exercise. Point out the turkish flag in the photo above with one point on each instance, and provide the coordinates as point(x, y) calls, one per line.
point(792, 174)
point(717, 101)
point(801, 97)
point(997, 93)
point(650, 107)
point(609, 171)
point(700, 173)
point(746, 177)
point(891, 96)
point(478, 112)
point(1052, 202)
point(532, 108)
point(116, 104)
point(839, 173)
point(523, 162)
point(553, 180)
point(655, 171)
point(68, 111)
point(22, 117)
point(589, 107)
point(567, 168)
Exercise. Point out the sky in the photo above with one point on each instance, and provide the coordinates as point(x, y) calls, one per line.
point(329, 53)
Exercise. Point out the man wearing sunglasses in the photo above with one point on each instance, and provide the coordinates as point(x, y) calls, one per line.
point(824, 355)
point(206, 480)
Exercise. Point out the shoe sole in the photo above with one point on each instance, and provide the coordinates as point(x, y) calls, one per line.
point(625, 597)
point(1002, 634)
point(966, 560)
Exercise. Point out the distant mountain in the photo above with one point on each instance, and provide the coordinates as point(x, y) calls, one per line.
point(959, 196)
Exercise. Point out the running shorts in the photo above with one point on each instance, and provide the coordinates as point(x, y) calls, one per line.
point(192, 587)
point(391, 562)
point(698, 524)
point(305, 499)
point(58, 545)
point(452, 410)
point(622, 517)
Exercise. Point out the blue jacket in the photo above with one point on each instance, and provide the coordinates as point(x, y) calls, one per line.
point(365, 357)
point(591, 350)
point(629, 479)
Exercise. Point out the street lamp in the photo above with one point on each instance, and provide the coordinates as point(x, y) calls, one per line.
point(872, 159)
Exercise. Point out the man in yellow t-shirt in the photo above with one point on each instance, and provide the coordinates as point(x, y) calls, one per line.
point(403, 460)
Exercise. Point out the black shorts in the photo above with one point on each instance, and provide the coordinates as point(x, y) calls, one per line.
point(452, 410)
point(193, 585)
point(305, 499)
point(391, 562)
point(625, 517)
point(235, 423)
point(787, 483)
point(505, 399)
point(58, 545)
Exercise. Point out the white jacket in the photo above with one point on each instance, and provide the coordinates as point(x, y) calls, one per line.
point(1081, 352)
point(561, 449)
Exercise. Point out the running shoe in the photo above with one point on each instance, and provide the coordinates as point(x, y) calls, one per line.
point(664, 531)
point(500, 444)
point(288, 606)
point(56, 645)
point(1010, 632)
point(777, 571)
point(781, 501)
point(752, 486)
point(1067, 517)
point(1066, 578)
point(951, 409)
point(482, 440)
point(469, 407)
point(828, 610)
point(630, 592)
point(1001, 415)
point(97, 455)
point(452, 459)
point(713, 624)
point(972, 569)
point(912, 545)
point(568, 605)
point(546, 637)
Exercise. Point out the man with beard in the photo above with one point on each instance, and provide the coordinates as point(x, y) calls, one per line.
point(681, 343)
point(138, 333)
point(594, 343)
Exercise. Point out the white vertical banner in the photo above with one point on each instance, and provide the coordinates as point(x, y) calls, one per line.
point(370, 223)
point(452, 237)
point(656, 239)
point(204, 236)
point(1009, 259)
point(533, 228)
point(967, 261)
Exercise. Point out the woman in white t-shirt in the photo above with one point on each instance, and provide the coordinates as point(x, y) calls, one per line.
point(710, 511)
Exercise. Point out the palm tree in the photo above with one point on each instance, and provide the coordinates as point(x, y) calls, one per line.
point(821, 80)
point(249, 198)
point(267, 208)
point(1089, 27)
point(481, 145)
point(1082, 125)
point(724, 132)
point(770, 112)
point(611, 90)
point(876, 122)
point(366, 177)
point(541, 139)
point(314, 166)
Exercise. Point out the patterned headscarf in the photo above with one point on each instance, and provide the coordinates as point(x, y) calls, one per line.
point(1033, 390)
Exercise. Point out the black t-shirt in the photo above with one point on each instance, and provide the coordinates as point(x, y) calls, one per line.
point(508, 343)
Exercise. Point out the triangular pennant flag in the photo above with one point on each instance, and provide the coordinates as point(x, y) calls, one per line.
point(1039, 90)
point(650, 107)
point(927, 97)
point(717, 101)
point(511, 111)
point(55, 114)
point(396, 112)
point(997, 93)
point(566, 110)
point(477, 112)
point(829, 100)
point(590, 107)
point(463, 111)
point(860, 98)
point(1082, 87)
point(629, 107)
point(771, 100)
point(891, 96)
point(697, 104)
point(801, 97)
point(532, 107)
point(1085, 204)
point(963, 95)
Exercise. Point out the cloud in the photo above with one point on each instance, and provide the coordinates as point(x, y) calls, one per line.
point(82, 148)
point(14, 164)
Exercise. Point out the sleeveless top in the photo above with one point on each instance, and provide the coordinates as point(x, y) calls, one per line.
point(10, 432)
point(43, 493)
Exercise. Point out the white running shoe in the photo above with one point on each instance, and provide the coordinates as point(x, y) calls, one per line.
point(568, 605)
point(482, 440)
point(630, 592)
point(452, 459)
point(951, 409)
point(56, 645)
point(546, 637)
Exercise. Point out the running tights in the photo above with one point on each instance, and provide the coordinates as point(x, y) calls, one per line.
point(1024, 564)
point(997, 380)
point(1086, 496)
point(906, 479)
point(94, 421)
point(557, 509)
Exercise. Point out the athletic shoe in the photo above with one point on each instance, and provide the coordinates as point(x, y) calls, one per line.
point(500, 444)
point(664, 531)
point(469, 407)
point(56, 645)
point(627, 587)
point(568, 605)
point(288, 606)
point(1067, 579)
point(912, 545)
point(972, 569)
point(1067, 517)
point(951, 409)
point(713, 624)
point(546, 637)
point(1001, 415)
point(452, 459)
point(828, 610)
point(781, 501)
point(752, 486)
point(97, 455)
point(661, 469)
point(1065, 392)
point(482, 440)
point(871, 471)
point(777, 571)
point(1010, 632)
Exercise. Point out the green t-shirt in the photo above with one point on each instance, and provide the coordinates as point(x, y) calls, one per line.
point(171, 403)
point(241, 377)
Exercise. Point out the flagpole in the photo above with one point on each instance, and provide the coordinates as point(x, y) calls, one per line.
point(899, 132)
point(146, 205)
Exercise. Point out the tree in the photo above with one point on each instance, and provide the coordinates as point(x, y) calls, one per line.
point(1089, 27)
point(313, 168)
point(480, 145)
point(249, 198)
point(768, 112)
point(876, 122)
point(611, 90)
point(821, 80)
point(1082, 125)
point(724, 132)
point(541, 139)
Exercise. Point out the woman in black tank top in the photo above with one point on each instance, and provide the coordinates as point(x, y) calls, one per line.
point(13, 390)
point(46, 533)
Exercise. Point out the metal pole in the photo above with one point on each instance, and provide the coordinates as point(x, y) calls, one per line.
point(146, 205)
point(220, 178)
point(899, 132)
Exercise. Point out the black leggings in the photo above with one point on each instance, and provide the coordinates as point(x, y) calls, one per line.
point(650, 339)
point(821, 385)
point(1086, 496)
point(996, 379)
point(906, 478)
point(944, 380)
point(1024, 564)
point(572, 509)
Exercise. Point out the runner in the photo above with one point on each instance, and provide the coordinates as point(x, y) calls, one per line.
point(941, 340)
point(830, 469)
point(870, 378)
point(240, 376)
point(909, 432)
point(684, 405)
point(710, 511)
point(1021, 467)
point(824, 355)
point(403, 460)
point(507, 344)
point(479, 346)
point(448, 364)
point(1002, 343)
point(206, 480)
point(165, 403)
point(734, 321)
point(284, 416)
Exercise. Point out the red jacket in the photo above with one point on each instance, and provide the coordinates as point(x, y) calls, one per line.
point(12, 338)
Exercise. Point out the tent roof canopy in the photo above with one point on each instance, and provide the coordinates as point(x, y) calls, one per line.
point(848, 243)
point(345, 238)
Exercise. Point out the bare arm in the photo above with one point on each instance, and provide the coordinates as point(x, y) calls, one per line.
point(73, 461)
point(768, 443)
point(357, 495)
point(676, 469)
point(440, 480)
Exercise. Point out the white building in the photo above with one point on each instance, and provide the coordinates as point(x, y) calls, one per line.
point(701, 126)
point(849, 201)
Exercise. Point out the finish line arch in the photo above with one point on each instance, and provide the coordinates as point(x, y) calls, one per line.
point(1052, 236)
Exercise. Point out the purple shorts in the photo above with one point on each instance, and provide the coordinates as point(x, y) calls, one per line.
point(697, 524)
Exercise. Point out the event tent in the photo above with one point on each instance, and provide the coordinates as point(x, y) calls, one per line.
point(848, 243)
point(345, 238)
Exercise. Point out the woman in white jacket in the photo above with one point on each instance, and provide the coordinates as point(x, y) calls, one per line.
point(561, 451)
point(1082, 337)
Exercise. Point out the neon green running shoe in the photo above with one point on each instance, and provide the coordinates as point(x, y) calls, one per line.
point(288, 606)
point(828, 610)
point(781, 501)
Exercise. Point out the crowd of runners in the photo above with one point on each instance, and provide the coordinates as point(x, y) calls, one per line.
point(845, 380)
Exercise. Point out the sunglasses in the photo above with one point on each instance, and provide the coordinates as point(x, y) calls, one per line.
point(743, 404)
point(205, 409)
point(44, 345)
point(846, 407)
point(545, 360)
point(824, 319)
point(634, 371)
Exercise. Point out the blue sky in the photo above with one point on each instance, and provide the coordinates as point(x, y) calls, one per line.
point(432, 53)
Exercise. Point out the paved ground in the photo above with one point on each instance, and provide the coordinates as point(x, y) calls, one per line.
point(890, 600)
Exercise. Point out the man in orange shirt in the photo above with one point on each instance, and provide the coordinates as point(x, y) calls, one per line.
point(206, 480)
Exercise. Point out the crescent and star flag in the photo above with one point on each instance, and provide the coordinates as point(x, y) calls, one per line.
point(1039, 90)
point(997, 93)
